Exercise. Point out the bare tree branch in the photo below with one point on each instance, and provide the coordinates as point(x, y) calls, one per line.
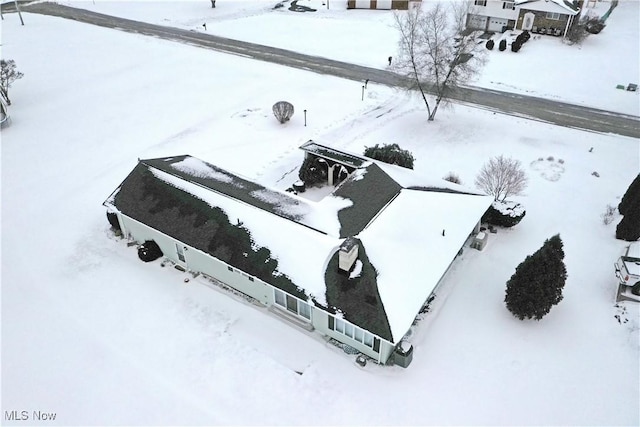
point(502, 177)
point(436, 52)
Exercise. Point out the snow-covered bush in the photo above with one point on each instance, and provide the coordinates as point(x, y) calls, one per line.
point(537, 284)
point(452, 177)
point(392, 154)
point(490, 44)
point(312, 172)
point(504, 214)
point(283, 111)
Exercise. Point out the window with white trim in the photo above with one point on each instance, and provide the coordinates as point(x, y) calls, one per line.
point(480, 2)
point(508, 5)
point(354, 332)
point(292, 304)
point(553, 15)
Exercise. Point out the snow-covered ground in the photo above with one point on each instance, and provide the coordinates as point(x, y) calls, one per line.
point(96, 336)
point(576, 74)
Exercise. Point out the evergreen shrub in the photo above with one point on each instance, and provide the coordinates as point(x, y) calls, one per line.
point(537, 284)
point(504, 214)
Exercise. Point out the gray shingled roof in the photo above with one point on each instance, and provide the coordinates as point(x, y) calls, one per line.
point(347, 159)
point(369, 193)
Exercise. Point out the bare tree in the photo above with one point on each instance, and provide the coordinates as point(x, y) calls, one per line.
point(283, 111)
point(502, 177)
point(8, 74)
point(436, 52)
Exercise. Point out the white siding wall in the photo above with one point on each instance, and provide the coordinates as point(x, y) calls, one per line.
point(198, 261)
point(494, 9)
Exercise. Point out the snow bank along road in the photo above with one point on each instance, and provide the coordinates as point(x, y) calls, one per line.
point(558, 113)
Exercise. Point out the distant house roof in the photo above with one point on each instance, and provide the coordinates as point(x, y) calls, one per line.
point(399, 221)
point(561, 6)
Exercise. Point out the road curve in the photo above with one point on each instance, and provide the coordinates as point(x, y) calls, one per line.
point(545, 110)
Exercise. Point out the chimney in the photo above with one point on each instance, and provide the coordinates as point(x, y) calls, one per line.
point(348, 254)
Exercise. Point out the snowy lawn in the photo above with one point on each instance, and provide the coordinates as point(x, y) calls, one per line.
point(98, 337)
point(544, 67)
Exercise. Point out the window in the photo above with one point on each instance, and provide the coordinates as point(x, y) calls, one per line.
point(180, 252)
point(348, 330)
point(508, 5)
point(368, 340)
point(280, 298)
point(292, 304)
point(553, 15)
point(304, 310)
point(480, 2)
point(229, 268)
point(354, 333)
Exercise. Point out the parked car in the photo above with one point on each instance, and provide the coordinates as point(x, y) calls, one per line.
point(628, 268)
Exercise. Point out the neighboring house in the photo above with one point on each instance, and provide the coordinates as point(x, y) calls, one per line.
point(548, 16)
point(381, 4)
point(357, 266)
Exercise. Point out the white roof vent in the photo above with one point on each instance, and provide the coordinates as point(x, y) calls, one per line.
point(348, 254)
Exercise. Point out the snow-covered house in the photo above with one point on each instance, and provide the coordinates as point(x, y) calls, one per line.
point(381, 4)
point(357, 266)
point(554, 16)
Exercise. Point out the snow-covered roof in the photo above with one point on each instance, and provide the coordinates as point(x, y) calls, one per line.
point(407, 247)
point(566, 7)
point(369, 189)
point(302, 252)
point(330, 153)
point(400, 228)
point(633, 250)
point(321, 216)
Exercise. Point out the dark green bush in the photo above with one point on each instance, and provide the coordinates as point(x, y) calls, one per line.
point(149, 251)
point(629, 227)
point(630, 196)
point(312, 172)
point(112, 217)
point(504, 214)
point(503, 45)
point(490, 44)
point(537, 284)
point(392, 154)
